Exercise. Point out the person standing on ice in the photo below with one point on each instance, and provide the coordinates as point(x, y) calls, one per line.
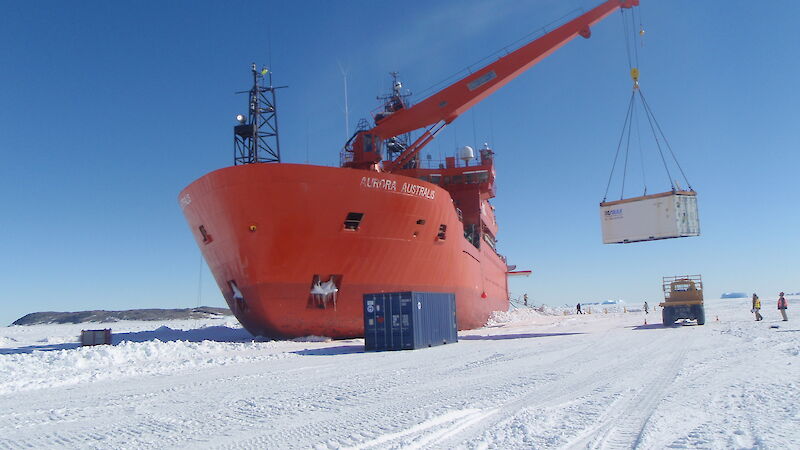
point(757, 307)
point(525, 299)
point(645, 308)
point(782, 306)
point(578, 307)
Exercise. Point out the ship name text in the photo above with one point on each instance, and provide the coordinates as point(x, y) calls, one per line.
point(415, 189)
point(379, 183)
point(391, 185)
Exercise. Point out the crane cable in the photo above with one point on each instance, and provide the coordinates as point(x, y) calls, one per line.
point(650, 119)
point(632, 107)
point(619, 145)
point(664, 136)
point(629, 116)
point(633, 67)
point(638, 36)
point(655, 127)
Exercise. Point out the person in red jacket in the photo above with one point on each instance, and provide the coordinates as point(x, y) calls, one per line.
point(782, 306)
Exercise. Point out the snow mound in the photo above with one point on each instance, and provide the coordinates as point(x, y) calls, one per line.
point(544, 314)
point(45, 369)
point(518, 316)
point(206, 332)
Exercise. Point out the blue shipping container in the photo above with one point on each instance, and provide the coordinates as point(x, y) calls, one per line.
point(409, 320)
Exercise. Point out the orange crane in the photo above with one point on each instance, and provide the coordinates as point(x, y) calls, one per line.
point(443, 107)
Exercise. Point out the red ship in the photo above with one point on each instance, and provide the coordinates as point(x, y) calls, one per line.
point(294, 247)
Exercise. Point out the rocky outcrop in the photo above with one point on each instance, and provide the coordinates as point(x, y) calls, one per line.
point(101, 316)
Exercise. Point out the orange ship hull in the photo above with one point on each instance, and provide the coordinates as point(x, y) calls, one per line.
point(276, 239)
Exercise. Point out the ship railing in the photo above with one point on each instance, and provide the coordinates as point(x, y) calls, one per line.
point(345, 156)
point(442, 164)
point(477, 177)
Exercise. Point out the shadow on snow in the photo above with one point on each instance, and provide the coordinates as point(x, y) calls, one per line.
point(498, 337)
point(650, 326)
point(38, 348)
point(328, 351)
point(163, 334)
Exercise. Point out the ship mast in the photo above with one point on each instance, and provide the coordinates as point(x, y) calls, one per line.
point(255, 138)
point(395, 101)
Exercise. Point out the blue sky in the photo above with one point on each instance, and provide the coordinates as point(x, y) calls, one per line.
point(111, 108)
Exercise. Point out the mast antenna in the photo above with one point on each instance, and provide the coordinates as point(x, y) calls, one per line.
point(346, 106)
point(255, 137)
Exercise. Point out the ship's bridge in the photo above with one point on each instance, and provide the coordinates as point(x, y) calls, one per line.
point(454, 175)
point(470, 186)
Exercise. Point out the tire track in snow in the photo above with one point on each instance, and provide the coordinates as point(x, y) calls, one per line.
point(713, 373)
point(445, 430)
point(445, 425)
point(132, 412)
point(375, 419)
point(578, 392)
point(624, 423)
point(436, 398)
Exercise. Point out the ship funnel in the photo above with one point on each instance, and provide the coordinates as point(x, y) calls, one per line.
point(466, 153)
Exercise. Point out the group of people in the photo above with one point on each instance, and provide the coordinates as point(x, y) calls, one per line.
point(782, 306)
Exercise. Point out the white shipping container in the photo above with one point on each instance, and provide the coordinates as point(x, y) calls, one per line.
point(666, 215)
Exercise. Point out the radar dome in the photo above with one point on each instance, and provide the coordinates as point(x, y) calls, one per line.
point(466, 153)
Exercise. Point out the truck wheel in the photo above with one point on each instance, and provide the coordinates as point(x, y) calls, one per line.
point(700, 314)
point(666, 317)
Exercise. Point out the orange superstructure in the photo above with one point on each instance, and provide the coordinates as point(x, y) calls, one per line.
point(295, 247)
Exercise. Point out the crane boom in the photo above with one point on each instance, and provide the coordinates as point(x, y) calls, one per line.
point(446, 105)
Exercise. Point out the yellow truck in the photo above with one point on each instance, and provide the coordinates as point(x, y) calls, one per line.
point(683, 299)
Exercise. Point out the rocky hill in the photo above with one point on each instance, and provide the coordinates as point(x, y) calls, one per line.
point(48, 317)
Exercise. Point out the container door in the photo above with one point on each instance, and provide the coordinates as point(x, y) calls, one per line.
point(369, 322)
point(421, 321)
point(380, 342)
point(436, 309)
point(692, 216)
point(688, 223)
point(394, 323)
point(406, 331)
point(452, 324)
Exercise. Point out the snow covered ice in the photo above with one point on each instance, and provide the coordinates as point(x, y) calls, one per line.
point(528, 380)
